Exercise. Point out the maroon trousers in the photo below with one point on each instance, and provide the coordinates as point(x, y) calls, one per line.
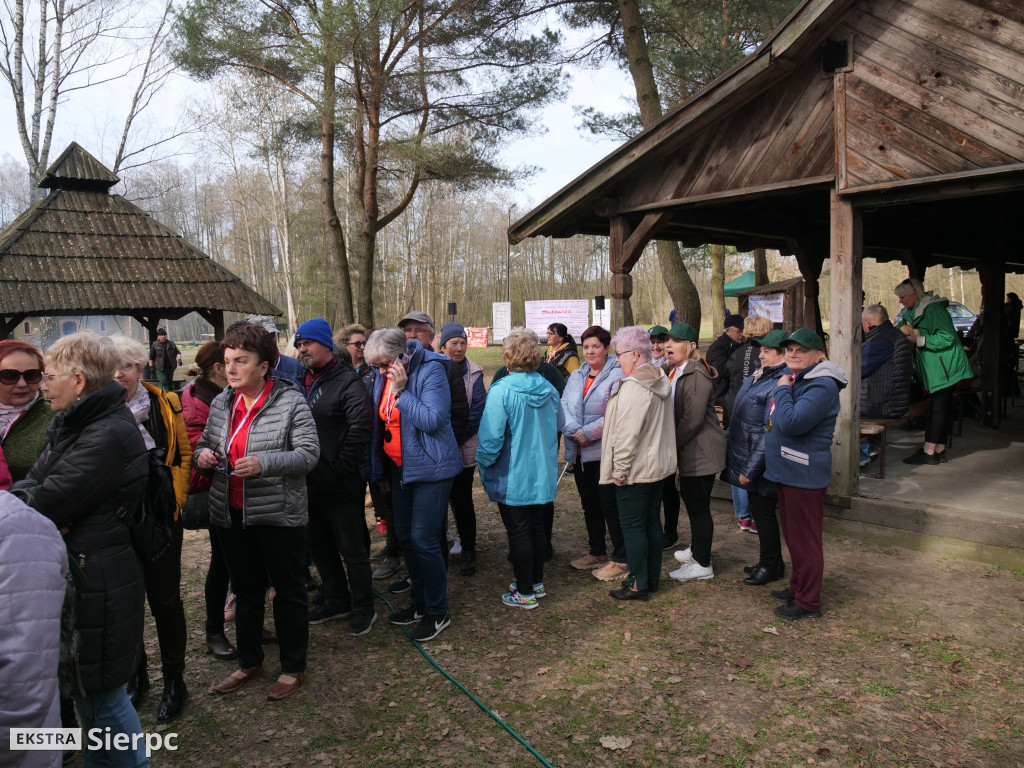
point(801, 512)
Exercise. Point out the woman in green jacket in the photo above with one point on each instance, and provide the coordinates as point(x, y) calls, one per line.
point(940, 362)
point(24, 413)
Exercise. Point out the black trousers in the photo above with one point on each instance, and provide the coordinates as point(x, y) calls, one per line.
point(670, 503)
point(163, 591)
point(337, 532)
point(940, 418)
point(763, 511)
point(255, 553)
point(216, 587)
point(382, 508)
point(600, 511)
point(462, 507)
point(527, 543)
point(696, 494)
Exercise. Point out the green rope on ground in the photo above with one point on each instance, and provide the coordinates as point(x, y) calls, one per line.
point(469, 693)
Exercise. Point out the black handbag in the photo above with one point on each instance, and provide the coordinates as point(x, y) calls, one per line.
point(195, 515)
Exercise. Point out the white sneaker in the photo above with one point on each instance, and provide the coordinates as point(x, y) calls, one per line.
point(683, 555)
point(693, 571)
point(456, 547)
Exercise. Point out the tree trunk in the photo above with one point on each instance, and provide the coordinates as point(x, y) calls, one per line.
point(335, 235)
point(680, 285)
point(717, 287)
point(760, 267)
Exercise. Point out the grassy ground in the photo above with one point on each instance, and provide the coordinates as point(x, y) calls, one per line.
point(916, 663)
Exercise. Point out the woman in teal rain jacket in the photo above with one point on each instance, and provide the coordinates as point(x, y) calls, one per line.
point(518, 459)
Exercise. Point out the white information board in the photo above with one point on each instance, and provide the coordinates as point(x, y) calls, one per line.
point(769, 306)
point(574, 314)
point(501, 319)
point(602, 317)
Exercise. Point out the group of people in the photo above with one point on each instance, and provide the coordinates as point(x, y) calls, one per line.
point(274, 455)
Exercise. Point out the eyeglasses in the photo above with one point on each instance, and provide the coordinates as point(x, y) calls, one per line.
point(624, 352)
point(359, 344)
point(10, 376)
point(49, 377)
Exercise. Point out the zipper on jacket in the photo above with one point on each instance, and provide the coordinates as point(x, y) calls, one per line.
point(251, 424)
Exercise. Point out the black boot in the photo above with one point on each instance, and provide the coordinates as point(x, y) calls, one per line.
point(138, 684)
point(173, 700)
point(468, 567)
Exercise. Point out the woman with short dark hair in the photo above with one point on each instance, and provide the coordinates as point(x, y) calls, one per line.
point(562, 352)
point(583, 407)
point(260, 442)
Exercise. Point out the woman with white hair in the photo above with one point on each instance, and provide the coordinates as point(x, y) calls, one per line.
point(95, 467)
point(940, 362)
point(414, 450)
point(158, 415)
point(638, 452)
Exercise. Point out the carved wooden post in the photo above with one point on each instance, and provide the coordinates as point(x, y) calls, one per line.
point(622, 308)
point(993, 287)
point(845, 341)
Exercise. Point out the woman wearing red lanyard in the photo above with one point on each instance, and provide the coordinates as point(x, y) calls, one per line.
point(260, 442)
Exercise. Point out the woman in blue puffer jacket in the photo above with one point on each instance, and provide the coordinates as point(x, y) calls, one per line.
point(583, 405)
point(413, 449)
point(745, 458)
point(801, 424)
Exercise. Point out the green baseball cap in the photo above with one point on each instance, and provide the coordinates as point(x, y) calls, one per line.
point(772, 339)
point(683, 332)
point(658, 330)
point(806, 338)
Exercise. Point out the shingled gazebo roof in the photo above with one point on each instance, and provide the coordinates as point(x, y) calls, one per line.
point(82, 250)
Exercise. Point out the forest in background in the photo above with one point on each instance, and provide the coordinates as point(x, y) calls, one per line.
point(411, 205)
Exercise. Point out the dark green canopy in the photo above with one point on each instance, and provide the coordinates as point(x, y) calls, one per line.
point(741, 283)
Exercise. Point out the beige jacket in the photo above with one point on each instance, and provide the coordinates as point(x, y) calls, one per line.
point(639, 434)
point(700, 441)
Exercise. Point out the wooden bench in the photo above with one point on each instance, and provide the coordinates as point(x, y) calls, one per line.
point(874, 430)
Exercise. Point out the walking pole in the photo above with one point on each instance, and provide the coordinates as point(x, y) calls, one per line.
point(564, 470)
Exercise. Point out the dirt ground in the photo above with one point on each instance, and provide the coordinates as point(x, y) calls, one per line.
point(916, 662)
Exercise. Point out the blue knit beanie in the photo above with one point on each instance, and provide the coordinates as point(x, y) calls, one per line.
point(452, 331)
point(316, 329)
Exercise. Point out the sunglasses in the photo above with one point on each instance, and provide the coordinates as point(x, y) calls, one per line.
point(9, 376)
point(359, 344)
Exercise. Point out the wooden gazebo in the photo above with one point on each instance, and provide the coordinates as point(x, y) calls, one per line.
point(85, 251)
point(892, 129)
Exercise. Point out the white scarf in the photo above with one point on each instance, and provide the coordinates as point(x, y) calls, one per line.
point(11, 413)
point(138, 404)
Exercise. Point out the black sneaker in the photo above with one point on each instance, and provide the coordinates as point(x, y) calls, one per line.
point(669, 542)
point(793, 612)
point(327, 613)
point(921, 458)
point(942, 457)
point(430, 627)
point(406, 616)
point(782, 595)
point(400, 586)
point(361, 623)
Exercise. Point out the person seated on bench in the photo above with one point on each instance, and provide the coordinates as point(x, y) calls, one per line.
point(887, 359)
point(940, 361)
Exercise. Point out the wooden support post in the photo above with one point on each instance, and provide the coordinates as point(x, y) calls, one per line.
point(993, 287)
point(8, 323)
point(214, 317)
point(622, 309)
point(845, 341)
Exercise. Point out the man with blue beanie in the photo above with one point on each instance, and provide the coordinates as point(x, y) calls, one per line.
point(337, 538)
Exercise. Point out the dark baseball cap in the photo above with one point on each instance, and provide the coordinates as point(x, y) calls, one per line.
point(774, 339)
point(683, 332)
point(806, 338)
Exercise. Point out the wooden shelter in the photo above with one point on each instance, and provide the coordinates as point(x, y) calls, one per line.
point(81, 249)
point(891, 129)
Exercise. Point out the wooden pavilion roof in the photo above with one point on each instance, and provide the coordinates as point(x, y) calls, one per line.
point(914, 109)
point(82, 250)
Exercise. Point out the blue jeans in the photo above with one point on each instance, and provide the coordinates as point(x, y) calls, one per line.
point(114, 709)
point(739, 502)
point(421, 513)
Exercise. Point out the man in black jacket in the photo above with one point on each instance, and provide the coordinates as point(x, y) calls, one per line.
point(342, 411)
point(720, 351)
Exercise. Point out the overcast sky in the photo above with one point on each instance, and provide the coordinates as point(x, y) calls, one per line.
point(93, 118)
